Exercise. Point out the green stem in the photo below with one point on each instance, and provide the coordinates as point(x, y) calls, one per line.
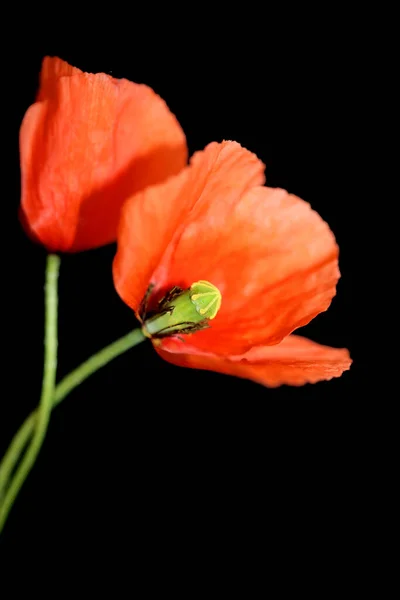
point(19, 442)
point(95, 362)
point(66, 385)
point(48, 385)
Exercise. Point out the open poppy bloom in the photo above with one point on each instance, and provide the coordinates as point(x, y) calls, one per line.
point(88, 143)
point(253, 263)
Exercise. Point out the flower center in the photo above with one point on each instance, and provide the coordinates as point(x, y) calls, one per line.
point(184, 311)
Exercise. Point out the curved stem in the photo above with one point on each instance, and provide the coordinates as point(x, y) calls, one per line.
point(66, 385)
point(95, 362)
point(48, 384)
point(15, 449)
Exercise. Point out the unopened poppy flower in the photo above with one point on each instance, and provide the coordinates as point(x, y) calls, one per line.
point(221, 269)
point(86, 144)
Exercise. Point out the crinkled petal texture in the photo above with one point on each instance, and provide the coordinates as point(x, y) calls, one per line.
point(88, 143)
point(295, 361)
point(274, 259)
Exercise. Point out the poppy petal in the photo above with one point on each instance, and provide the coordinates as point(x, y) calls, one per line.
point(273, 258)
point(88, 143)
point(295, 361)
point(153, 221)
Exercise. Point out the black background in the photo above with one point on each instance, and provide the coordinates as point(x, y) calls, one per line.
point(154, 454)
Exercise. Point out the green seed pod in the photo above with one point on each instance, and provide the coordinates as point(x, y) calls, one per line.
point(184, 311)
point(206, 298)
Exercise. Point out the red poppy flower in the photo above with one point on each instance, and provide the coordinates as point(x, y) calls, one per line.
point(272, 258)
point(88, 143)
